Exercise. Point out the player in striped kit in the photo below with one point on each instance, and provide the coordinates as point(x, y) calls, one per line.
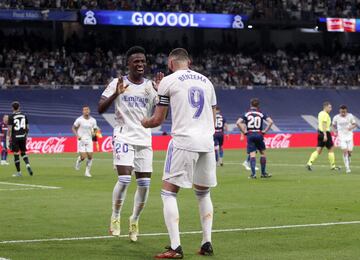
point(220, 128)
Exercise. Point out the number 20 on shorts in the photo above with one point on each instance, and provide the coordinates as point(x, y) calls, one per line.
point(121, 148)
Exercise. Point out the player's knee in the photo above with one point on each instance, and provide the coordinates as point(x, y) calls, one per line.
point(124, 180)
point(203, 192)
point(143, 182)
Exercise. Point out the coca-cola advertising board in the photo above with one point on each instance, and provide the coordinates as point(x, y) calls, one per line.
point(272, 141)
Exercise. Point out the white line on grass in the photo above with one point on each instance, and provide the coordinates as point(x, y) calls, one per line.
point(185, 233)
point(18, 189)
point(228, 162)
point(30, 185)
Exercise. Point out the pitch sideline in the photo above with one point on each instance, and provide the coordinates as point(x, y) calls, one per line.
point(184, 233)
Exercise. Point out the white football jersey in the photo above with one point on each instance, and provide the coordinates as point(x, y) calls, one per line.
point(137, 102)
point(191, 97)
point(343, 124)
point(85, 127)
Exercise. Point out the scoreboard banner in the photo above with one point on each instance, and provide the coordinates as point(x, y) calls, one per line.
point(162, 19)
point(38, 15)
point(42, 145)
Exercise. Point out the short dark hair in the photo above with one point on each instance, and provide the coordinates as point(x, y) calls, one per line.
point(255, 102)
point(15, 105)
point(179, 54)
point(326, 103)
point(133, 50)
point(86, 106)
point(343, 107)
point(218, 108)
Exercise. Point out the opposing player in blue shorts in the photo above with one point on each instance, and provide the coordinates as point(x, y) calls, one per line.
point(251, 124)
point(220, 129)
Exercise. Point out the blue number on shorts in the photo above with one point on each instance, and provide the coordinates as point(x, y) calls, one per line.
point(196, 100)
point(118, 146)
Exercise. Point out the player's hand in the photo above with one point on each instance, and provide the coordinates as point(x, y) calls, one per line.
point(144, 122)
point(120, 87)
point(79, 138)
point(263, 132)
point(158, 77)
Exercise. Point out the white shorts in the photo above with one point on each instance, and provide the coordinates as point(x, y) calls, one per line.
point(85, 146)
point(184, 168)
point(347, 144)
point(139, 157)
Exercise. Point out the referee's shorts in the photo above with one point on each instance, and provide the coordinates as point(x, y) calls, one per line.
point(328, 144)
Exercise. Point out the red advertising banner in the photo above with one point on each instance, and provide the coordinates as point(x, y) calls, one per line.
point(273, 141)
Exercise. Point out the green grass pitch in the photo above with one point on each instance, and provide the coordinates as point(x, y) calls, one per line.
point(82, 208)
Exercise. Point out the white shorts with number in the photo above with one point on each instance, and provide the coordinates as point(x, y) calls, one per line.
point(184, 168)
point(346, 144)
point(139, 157)
point(85, 146)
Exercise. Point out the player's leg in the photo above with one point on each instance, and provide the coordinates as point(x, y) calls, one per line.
point(331, 155)
point(178, 172)
point(221, 150)
point(345, 151)
point(89, 162)
point(143, 170)
point(4, 152)
point(251, 150)
point(314, 155)
point(350, 149)
point(204, 178)
point(246, 163)
point(22, 145)
point(82, 154)
point(123, 159)
point(16, 150)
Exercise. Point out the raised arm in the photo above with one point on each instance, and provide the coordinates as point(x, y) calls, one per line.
point(105, 102)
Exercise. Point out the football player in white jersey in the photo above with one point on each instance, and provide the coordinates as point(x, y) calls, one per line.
point(344, 124)
point(135, 98)
point(84, 128)
point(190, 160)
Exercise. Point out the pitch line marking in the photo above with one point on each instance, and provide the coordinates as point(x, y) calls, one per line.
point(185, 233)
point(31, 185)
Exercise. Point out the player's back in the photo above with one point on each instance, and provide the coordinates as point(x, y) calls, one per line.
point(254, 120)
point(18, 121)
point(219, 123)
point(192, 98)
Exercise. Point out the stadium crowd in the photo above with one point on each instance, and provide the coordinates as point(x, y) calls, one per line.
point(281, 9)
point(284, 68)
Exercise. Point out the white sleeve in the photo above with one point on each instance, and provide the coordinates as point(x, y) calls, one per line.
point(95, 126)
point(164, 92)
point(335, 120)
point(352, 119)
point(110, 89)
point(77, 122)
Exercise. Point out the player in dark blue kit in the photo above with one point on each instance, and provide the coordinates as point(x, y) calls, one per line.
point(251, 124)
point(220, 128)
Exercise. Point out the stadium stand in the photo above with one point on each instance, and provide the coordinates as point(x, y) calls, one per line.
point(52, 112)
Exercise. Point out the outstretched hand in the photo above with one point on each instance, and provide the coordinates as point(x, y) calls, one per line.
point(120, 86)
point(158, 77)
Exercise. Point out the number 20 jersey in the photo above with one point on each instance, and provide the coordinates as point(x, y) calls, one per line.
point(191, 97)
point(254, 120)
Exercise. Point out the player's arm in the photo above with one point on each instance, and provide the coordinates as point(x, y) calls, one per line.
point(74, 129)
point(324, 130)
point(157, 118)
point(242, 126)
point(353, 124)
point(105, 102)
point(270, 122)
point(9, 132)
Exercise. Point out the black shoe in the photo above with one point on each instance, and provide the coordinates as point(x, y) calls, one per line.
point(252, 177)
point(336, 168)
point(29, 170)
point(206, 249)
point(171, 253)
point(221, 164)
point(266, 175)
point(309, 168)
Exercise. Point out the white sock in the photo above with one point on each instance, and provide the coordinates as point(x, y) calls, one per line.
point(206, 213)
point(141, 195)
point(171, 216)
point(89, 164)
point(346, 161)
point(119, 194)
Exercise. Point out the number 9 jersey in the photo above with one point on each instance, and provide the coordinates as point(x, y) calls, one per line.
point(191, 97)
